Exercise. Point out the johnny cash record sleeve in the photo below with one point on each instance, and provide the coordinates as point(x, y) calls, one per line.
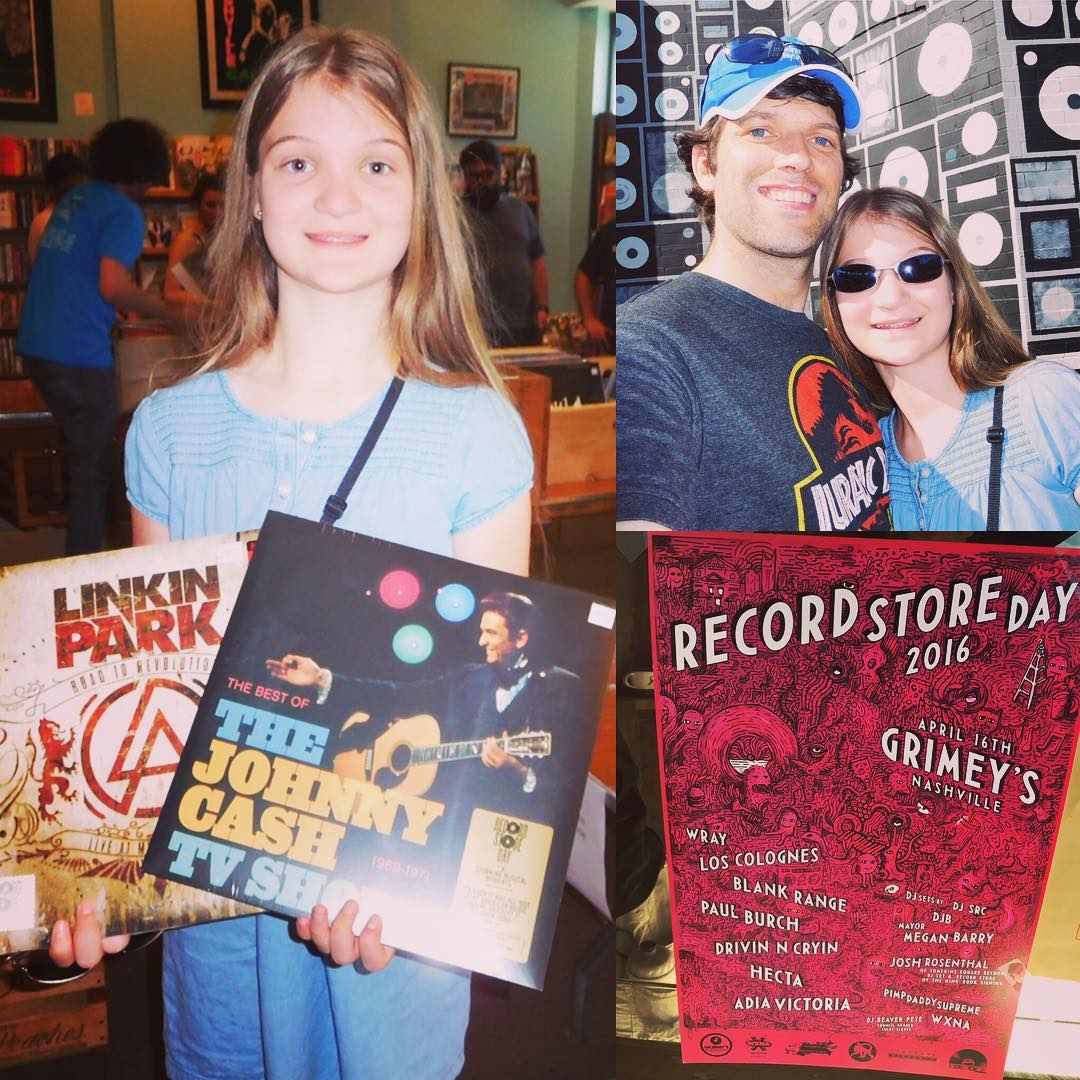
point(340, 751)
point(864, 761)
point(103, 659)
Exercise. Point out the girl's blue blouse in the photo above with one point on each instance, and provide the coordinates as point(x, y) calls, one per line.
point(201, 462)
point(243, 1000)
point(1040, 461)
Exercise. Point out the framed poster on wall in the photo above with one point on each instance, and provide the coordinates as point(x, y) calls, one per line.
point(27, 65)
point(234, 38)
point(483, 100)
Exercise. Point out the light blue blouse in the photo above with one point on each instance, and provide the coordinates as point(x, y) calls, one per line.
point(202, 462)
point(1040, 461)
point(243, 999)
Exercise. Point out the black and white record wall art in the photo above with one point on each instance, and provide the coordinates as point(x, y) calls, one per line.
point(972, 103)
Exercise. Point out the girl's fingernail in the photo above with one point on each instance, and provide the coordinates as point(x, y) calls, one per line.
point(374, 923)
point(86, 907)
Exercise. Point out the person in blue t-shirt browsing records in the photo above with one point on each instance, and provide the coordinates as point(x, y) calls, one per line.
point(81, 276)
point(732, 411)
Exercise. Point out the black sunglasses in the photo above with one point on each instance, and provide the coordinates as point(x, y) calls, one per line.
point(766, 49)
point(918, 270)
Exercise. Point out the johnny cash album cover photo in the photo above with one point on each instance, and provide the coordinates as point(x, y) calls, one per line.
point(401, 729)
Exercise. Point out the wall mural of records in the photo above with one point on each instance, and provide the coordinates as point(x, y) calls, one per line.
point(1055, 304)
point(977, 204)
point(908, 161)
point(672, 98)
point(1038, 181)
point(1043, 20)
point(669, 38)
point(970, 136)
point(666, 179)
point(937, 78)
point(1050, 91)
point(1051, 238)
point(761, 16)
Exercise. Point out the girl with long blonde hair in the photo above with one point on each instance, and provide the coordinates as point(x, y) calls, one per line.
point(340, 265)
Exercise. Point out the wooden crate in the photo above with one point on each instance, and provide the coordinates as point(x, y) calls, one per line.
point(146, 361)
point(581, 444)
point(42, 1022)
point(32, 472)
point(531, 394)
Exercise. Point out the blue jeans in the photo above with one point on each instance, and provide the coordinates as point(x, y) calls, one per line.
point(84, 404)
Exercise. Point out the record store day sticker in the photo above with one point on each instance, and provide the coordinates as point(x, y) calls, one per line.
point(498, 892)
point(18, 904)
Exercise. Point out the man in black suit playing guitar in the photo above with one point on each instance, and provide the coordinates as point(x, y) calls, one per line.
point(505, 693)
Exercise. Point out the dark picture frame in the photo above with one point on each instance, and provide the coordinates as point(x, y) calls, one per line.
point(230, 52)
point(482, 100)
point(28, 65)
point(1058, 176)
point(1037, 288)
point(1064, 252)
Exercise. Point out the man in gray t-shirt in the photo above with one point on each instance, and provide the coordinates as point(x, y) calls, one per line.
point(510, 249)
point(732, 412)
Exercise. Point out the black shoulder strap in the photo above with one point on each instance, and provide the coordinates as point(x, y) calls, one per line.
point(335, 505)
point(995, 436)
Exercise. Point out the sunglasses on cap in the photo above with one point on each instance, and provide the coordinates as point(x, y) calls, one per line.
point(918, 270)
point(766, 49)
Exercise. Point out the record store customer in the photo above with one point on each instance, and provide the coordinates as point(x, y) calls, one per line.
point(906, 313)
point(343, 255)
point(190, 246)
point(81, 276)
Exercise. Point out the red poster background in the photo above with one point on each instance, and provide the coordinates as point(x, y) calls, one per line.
point(829, 909)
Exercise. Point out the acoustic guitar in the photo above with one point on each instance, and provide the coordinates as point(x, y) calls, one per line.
point(407, 755)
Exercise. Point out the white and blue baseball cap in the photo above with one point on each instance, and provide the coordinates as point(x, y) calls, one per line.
point(748, 67)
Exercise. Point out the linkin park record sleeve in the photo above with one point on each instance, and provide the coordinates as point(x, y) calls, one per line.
point(103, 659)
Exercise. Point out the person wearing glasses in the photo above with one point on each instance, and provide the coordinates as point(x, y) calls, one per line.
point(510, 251)
point(721, 374)
point(908, 317)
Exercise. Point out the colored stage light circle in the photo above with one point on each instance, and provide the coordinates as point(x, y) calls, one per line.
point(412, 644)
point(455, 603)
point(399, 589)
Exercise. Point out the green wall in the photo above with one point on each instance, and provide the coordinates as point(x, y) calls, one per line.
point(154, 72)
point(553, 46)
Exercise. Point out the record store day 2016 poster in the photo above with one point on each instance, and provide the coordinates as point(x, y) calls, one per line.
point(865, 749)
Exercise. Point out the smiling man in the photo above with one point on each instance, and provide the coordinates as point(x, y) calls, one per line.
point(720, 371)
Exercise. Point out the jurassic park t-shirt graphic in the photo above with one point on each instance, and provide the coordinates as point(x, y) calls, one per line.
point(847, 488)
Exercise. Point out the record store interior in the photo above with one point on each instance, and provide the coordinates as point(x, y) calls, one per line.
point(533, 92)
point(254, 249)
